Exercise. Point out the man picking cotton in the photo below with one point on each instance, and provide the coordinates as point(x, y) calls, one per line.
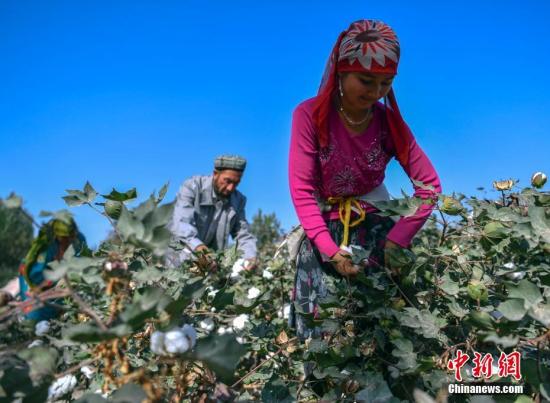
point(210, 208)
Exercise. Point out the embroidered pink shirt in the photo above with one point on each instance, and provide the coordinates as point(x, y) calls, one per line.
point(351, 165)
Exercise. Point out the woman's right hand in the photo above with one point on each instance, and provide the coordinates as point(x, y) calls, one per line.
point(343, 264)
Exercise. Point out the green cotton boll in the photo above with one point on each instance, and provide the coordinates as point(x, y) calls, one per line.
point(451, 206)
point(477, 291)
point(538, 179)
point(113, 209)
point(494, 230)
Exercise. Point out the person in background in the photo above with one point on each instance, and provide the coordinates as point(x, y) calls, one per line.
point(53, 240)
point(341, 143)
point(208, 210)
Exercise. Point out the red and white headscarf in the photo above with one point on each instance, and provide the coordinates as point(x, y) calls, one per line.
point(367, 46)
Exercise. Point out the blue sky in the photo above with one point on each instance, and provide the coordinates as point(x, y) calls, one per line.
point(141, 93)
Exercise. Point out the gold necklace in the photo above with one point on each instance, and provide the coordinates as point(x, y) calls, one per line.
point(350, 120)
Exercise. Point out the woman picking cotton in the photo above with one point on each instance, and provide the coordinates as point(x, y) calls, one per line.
point(341, 143)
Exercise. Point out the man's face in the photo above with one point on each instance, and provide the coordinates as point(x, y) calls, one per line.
point(226, 181)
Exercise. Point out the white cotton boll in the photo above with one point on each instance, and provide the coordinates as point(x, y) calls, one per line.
point(42, 328)
point(237, 268)
point(176, 342)
point(207, 324)
point(87, 371)
point(157, 343)
point(240, 321)
point(240, 340)
point(286, 311)
point(222, 330)
point(61, 387)
point(212, 309)
point(212, 291)
point(267, 274)
point(510, 265)
point(347, 249)
point(253, 293)
point(518, 275)
point(36, 343)
point(190, 332)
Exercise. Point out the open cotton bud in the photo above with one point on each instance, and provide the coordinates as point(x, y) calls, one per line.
point(207, 324)
point(36, 343)
point(42, 328)
point(538, 179)
point(222, 330)
point(285, 312)
point(157, 343)
point(503, 185)
point(509, 265)
point(176, 342)
point(238, 267)
point(253, 293)
point(267, 274)
point(518, 275)
point(61, 387)
point(190, 332)
point(240, 321)
point(87, 371)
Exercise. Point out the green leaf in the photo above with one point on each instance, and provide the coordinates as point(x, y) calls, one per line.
point(525, 290)
point(276, 391)
point(42, 361)
point(129, 393)
point(376, 389)
point(481, 320)
point(540, 223)
point(541, 313)
point(502, 341)
point(494, 230)
point(70, 264)
point(89, 333)
point(13, 201)
point(513, 309)
point(221, 354)
point(422, 397)
point(405, 354)
point(427, 323)
point(115, 195)
point(162, 192)
point(128, 226)
point(90, 192)
point(91, 398)
point(449, 286)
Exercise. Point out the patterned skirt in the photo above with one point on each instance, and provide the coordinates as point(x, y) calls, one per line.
point(312, 274)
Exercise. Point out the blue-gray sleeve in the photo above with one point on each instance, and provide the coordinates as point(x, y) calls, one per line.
point(183, 225)
point(240, 231)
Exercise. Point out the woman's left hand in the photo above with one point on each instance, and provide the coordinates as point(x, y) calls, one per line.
point(387, 248)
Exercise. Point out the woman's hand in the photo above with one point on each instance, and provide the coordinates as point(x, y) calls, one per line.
point(343, 264)
point(387, 250)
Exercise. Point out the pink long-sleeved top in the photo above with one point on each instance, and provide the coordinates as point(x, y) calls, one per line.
point(351, 165)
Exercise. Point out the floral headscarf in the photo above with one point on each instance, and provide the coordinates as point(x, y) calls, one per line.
point(367, 46)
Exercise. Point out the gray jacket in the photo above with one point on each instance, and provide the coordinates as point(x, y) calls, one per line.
point(201, 217)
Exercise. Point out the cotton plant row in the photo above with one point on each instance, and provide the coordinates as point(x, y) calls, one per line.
point(477, 274)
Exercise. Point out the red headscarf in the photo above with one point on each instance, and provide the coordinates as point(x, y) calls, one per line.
point(367, 46)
